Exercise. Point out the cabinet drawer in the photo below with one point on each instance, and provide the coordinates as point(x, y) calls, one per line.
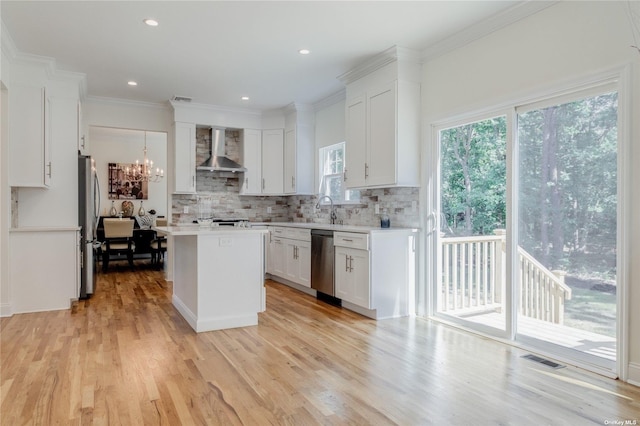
point(300, 234)
point(351, 239)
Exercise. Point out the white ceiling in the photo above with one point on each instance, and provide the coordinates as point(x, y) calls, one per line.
point(217, 51)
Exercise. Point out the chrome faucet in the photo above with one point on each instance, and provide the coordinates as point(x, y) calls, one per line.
point(333, 209)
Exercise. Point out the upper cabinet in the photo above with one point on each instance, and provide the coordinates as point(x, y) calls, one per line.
point(299, 150)
point(252, 161)
point(382, 120)
point(272, 162)
point(29, 135)
point(263, 157)
point(183, 150)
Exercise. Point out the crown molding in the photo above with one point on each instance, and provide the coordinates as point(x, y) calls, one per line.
point(330, 100)
point(386, 57)
point(125, 102)
point(216, 108)
point(486, 27)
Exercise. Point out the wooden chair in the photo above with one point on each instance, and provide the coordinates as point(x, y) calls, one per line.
point(159, 245)
point(118, 234)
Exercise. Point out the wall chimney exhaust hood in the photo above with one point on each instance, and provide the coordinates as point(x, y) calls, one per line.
point(217, 161)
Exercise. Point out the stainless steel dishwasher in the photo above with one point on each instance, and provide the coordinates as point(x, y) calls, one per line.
point(322, 258)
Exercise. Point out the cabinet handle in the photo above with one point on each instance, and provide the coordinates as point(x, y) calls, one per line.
point(350, 264)
point(246, 183)
point(49, 165)
point(262, 183)
point(293, 181)
point(366, 170)
point(346, 263)
point(344, 177)
point(82, 139)
point(193, 180)
point(347, 239)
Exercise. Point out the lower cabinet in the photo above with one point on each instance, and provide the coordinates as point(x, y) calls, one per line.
point(298, 261)
point(375, 272)
point(45, 269)
point(290, 254)
point(352, 276)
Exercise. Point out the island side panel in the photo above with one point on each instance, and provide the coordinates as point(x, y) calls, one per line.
point(185, 278)
point(230, 280)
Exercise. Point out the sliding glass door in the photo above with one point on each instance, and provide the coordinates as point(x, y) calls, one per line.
point(550, 177)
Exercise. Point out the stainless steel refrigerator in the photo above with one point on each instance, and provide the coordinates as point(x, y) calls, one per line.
point(88, 214)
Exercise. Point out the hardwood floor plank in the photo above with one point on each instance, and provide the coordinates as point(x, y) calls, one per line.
point(126, 356)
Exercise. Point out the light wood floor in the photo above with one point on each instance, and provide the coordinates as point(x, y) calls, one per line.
point(126, 357)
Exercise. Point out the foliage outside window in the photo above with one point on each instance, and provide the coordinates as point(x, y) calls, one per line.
point(331, 166)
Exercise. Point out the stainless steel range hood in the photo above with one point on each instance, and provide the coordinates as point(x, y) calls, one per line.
point(218, 161)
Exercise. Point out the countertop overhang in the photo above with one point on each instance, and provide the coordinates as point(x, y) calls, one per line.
point(338, 228)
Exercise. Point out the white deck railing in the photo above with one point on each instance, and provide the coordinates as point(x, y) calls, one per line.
point(473, 279)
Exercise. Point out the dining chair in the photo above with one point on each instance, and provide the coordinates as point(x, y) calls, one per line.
point(118, 234)
point(159, 245)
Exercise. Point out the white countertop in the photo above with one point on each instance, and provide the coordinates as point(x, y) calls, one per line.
point(205, 230)
point(343, 228)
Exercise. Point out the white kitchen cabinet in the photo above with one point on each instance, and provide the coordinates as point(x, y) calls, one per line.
point(252, 161)
point(352, 276)
point(375, 272)
point(263, 157)
point(29, 137)
point(272, 162)
point(290, 165)
point(290, 254)
point(356, 143)
point(298, 261)
point(299, 155)
point(382, 121)
point(82, 134)
point(276, 256)
point(184, 158)
point(53, 284)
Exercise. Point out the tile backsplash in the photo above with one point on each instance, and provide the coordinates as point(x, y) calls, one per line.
point(227, 203)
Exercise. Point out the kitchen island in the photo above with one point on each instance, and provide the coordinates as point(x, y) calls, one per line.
point(218, 277)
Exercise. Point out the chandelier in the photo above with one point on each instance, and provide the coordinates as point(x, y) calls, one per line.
point(143, 172)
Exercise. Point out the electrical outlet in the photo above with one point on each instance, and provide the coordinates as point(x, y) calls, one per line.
point(226, 242)
point(377, 207)
point(185, 209)
point(269, 210)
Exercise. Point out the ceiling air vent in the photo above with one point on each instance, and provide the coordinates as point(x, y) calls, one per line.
point(181, 98)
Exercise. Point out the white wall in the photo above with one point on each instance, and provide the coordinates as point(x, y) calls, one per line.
point(561, 44)
point(112, 145)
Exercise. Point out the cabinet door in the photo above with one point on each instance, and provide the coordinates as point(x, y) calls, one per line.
point(291, 264)
point(304, 263)
point(381, 136)
point(252, 160)
point(352, 276)
point(184, 154)
point(27, 139)
point(290, 161)
point(343, 279)
point(355, 146)
point(277, 257)
point(359, 269)
point(272, 161)
point(82, 139)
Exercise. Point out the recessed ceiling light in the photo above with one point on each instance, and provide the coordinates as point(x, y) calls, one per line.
point(151, 22)
point(132, 83)
point(245, 98)
point(304, 51)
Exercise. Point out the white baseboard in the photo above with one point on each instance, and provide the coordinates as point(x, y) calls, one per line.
point(634, 374)
point(185, 312)
point(221, 323)
point(5, 310)
point(307, 290)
